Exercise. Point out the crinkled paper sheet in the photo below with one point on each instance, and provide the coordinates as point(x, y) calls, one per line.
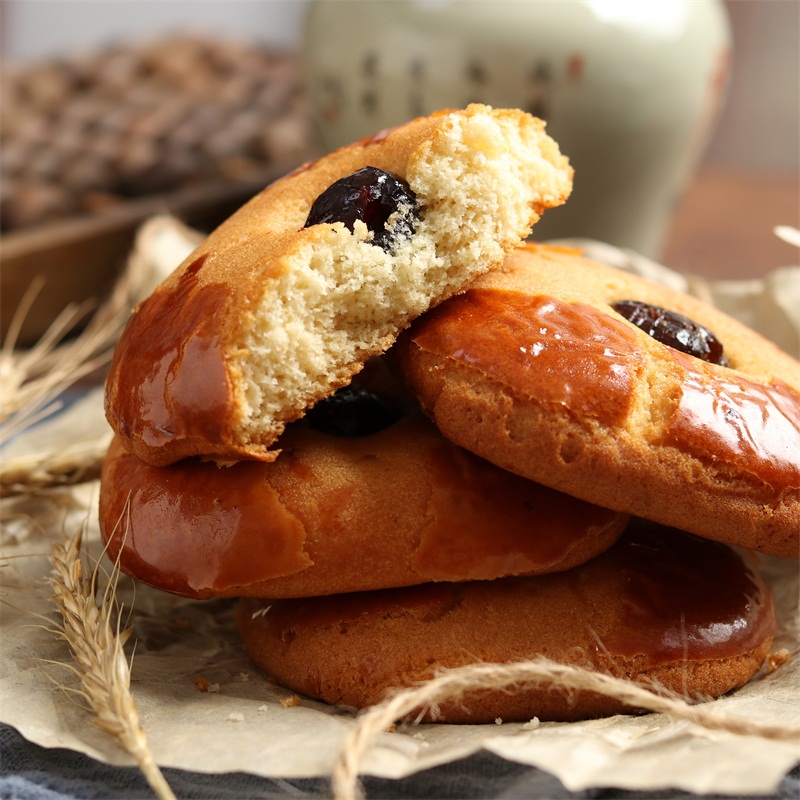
point(184, 646)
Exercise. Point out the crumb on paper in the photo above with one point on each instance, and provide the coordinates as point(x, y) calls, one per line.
point(290, 702)
point(263, 707)
point(531, 725)
point(235, 716)
point(777, 660)
point(205, 686)
point(244, 677)
point(392, 728)
point(498, 720)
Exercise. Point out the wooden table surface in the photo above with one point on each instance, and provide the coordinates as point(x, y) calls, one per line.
point(723, 225)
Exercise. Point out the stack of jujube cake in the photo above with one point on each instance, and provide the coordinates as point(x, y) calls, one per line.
point(409, 441)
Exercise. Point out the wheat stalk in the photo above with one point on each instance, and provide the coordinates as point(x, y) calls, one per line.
point(454, 683)
point(93, 632)
point(66, 467)
point(33, 378)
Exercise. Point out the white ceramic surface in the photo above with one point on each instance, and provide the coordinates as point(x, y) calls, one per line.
point(629, 88)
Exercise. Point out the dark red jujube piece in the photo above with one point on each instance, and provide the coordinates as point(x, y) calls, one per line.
point(372, 196)
point(674, 330)
point(352, 411)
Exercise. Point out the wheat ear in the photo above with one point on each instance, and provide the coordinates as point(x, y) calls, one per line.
point(93, 632)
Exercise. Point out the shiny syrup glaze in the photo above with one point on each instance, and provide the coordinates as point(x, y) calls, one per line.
point(244, 524)
point(727, 418)
point(486, 523)
point(195, 527)
point(171, 365)
point(477, 521)
point(666, 596)
point(685, 597)
point(525, 341)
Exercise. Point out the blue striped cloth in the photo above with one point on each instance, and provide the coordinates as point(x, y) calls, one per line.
point(30, 772)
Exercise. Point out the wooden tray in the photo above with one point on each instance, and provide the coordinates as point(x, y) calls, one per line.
point(80, 258)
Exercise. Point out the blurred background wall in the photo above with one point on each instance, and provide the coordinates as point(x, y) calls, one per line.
point(759, 124)
point(759, 127)
point(749, 175)
point(35, 29)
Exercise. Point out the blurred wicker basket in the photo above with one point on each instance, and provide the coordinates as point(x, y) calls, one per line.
point(93, 145)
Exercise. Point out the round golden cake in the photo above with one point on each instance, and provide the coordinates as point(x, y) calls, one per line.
point(283, 303)
point(534, 369)
point(661, 607)
point(340, 514)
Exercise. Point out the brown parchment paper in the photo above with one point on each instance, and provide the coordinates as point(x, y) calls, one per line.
point(183, 646)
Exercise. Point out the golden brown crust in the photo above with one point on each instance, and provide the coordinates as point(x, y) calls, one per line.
point(563, 390)
point(178, 384)
point(619, 613)
point(334, 514)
